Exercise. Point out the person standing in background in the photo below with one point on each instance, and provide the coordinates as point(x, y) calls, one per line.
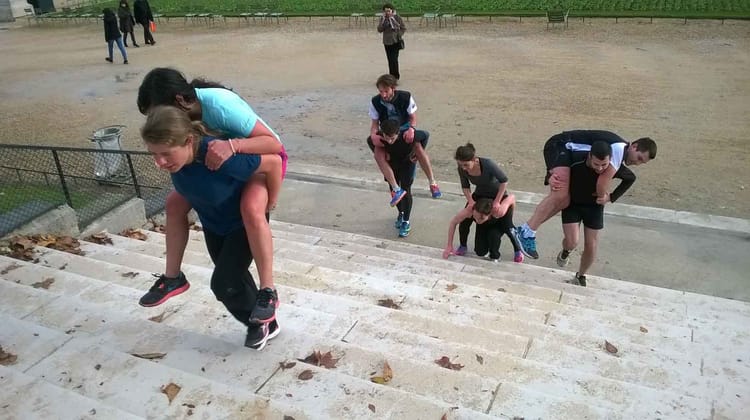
point(126, 22)
point(392, 27)
point(142, 14)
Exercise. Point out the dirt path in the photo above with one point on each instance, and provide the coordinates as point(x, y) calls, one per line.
point(505, 86)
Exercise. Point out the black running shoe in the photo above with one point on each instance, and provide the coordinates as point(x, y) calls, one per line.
point(163, 289)
point(258, 335)
point(265, 306)
point(581, 279)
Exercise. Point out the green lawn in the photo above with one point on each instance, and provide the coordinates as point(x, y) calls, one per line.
point(647, 8)
point(15, 195)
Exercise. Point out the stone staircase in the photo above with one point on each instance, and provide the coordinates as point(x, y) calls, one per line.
point(528, 344)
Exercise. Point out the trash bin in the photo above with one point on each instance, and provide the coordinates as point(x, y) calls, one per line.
point(108, 165)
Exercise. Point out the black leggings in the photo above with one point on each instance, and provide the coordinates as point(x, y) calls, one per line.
point(391, 52)
point(487, 232)
point(125, 38)
point(147, 37)
point(231, 282)
point(404, 173)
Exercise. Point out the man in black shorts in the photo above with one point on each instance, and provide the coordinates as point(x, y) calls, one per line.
point(558, 156)
point(585, 171)
point(401, 158)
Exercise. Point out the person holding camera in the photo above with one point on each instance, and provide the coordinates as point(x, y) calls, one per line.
point(392, 27)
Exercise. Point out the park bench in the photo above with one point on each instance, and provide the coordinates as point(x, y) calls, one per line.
point(557, 16)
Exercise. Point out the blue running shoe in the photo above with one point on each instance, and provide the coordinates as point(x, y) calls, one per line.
point(399, 220)
point(404, 230)
point(527, 244)
point(397, 195)
point(460, 251)
point(435, 191)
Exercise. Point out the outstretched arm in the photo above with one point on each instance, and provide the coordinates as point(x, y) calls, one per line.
point(458, 218)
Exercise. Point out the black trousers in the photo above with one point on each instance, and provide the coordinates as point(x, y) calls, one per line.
point(148, 38)
point(125, 38)
point(391, 52)
point(231, 282)
point(404, 172)
point(488, 235)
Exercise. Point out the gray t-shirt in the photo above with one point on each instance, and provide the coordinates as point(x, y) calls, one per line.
point(489, 179)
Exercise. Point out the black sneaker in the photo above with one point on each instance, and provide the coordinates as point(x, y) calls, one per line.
point(563, 258)
point(265, 306)
point(258, 335)
point(581, 279)
point(163, 289)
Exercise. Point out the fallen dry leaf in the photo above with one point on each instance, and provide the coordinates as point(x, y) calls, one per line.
point(389, 303)
point(129, 274)
point(100, 238)
point(45, 284)
point(44, 240)
point(386, 377)
point(480, 359)
point(288, 417)
point(170, 390)
point(451, 287)
point(321, 359)
point(644, 330)
point(134, 234)
point(500, 289)
point(371, 407)
point(446, 363)
point(21, 248)
point(149, 356)
point(196, 228)
point(6, 358)
point(305, 375)
point(188, 405)
point(67, 244)
point(609, 347)
point(157, 318)
point(287, 365)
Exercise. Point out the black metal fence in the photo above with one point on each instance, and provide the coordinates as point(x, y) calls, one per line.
point(36, 179)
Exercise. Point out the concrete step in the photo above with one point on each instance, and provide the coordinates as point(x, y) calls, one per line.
point(120, 332)
point(25, 396)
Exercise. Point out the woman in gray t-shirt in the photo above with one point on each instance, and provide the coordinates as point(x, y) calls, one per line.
point(491, 183)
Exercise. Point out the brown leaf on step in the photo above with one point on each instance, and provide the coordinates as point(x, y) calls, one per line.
point(389, 303)
point(7, 359)
point(609, 347)
point(10, 268)
point(188, 405)
point(170, 390)
point(305, 375)
point(451, 287)
point(67, 244)
point(288, 417)
point(196, 228)
point(190, 412)
point(21, 248)
point(321, 359)
point(518, 418)
point(371, 407)
point(644, 330)
point(45, 284)
point(287, 365)
point(100, 238)
point(44, 240)
point(386, 377)
point(134, 234)
point(500, 289)
point(157, 318)
point(149, 356)
point(480, 359)
point(129, 274)
point(446, 363)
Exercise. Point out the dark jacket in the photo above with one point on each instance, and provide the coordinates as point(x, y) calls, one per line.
point(391, 35)
point(111, 32)
point(400, 104)
point(142, 12)
point(126, 19)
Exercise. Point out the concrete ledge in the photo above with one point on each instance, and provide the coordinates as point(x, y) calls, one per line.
point(324, 174)
point(60, 221)
point(131, 214)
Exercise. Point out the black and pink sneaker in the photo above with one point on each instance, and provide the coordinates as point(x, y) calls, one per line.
point(163, 289)
point(265, 306)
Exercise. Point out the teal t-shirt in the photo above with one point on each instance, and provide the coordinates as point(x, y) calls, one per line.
point(226, 113)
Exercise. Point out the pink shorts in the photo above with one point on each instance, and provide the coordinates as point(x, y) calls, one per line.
point(284, 160)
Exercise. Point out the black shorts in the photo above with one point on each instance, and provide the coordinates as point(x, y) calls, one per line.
point(555, 154)
point(592, 215)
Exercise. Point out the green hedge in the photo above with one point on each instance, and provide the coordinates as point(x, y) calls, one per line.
point(672, 8)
